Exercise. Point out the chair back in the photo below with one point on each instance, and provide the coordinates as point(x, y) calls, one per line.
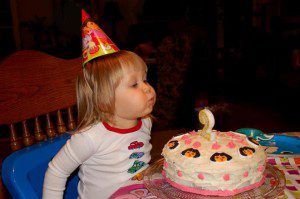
point(37, 96)
point(23, 171)
point(34, 88)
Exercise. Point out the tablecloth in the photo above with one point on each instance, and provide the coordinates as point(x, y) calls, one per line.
point(289, 166)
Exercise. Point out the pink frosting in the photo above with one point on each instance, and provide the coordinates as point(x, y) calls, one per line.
point(215, 146)
point(166, 165)
point(188, 141)
point(230, 134)
point(231, 145)
point(179, 173)
point(200, 176)
point(226, 177)
point(196, 144)
point(260, 168)
point(236, 136)
point(215, 192)
point(185, 137)
point(193, 133)
point(246, 174)
point(240, 140)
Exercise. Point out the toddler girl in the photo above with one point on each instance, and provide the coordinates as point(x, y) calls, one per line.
point(111, 144)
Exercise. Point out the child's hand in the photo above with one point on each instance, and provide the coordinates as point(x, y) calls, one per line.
point(140, 175)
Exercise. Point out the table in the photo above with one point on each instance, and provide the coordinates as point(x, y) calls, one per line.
point(289, 165)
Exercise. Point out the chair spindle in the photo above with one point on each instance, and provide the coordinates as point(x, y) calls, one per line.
point(27, 137)
point(38, 133)
point(49, 127)
point(71, 121)
point(15, 141)
point(61, 127)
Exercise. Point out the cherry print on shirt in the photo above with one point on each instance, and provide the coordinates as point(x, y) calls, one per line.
point(191, 153)
point(135, 145)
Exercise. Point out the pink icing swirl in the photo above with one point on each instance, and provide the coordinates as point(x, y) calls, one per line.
point(166, 165)
point(188, 141)
point(179, 173)
point(193, 133)
point(231, 145)
point(185, 137)
point(215, 146)
point(196, 145)
point(226, 177)
point(260, 168)
point(200, 176)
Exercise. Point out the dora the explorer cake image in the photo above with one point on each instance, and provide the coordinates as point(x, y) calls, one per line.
point(211, 162)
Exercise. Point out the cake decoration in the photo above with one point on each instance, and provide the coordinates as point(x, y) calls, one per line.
point(247, 151)
point(179, 173)
point(201, 176)
point(207, 119)
point(211, 162)
point(191, 153)
point(185, 137)
point(215, 146)
point(196, 144)
point(193, 133)
point(173, 144)
point(226, 177)
point(230, 145)
point(188, 141)
point(252, 141)
point(220, 157)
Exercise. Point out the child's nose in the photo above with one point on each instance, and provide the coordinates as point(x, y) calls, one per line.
point(147, 88)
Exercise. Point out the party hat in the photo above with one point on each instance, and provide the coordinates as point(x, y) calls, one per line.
point(95, 42)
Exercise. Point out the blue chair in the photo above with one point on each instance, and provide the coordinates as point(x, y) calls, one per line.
point(23, 171)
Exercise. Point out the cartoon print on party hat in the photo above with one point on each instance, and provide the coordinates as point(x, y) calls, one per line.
point(95, 42)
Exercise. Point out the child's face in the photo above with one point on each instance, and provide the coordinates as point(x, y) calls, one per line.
point(134, 97)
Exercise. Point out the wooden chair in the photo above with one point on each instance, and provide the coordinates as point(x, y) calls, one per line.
point(37, 94)
point(34, 85)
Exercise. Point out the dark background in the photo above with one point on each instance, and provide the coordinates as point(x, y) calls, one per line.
point(240, 51)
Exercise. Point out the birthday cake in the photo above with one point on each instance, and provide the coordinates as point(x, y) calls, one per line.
point(211, 162)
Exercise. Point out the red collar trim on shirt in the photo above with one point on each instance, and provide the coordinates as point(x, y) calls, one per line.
point(123, 131)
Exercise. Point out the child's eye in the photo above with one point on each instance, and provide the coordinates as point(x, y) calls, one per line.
point(134, 85)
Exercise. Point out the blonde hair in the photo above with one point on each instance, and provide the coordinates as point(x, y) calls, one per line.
point(95, 87)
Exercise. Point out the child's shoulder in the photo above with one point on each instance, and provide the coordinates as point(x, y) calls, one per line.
point(147, 121)
point(90, 130)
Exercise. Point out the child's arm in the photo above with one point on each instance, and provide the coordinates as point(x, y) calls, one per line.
point(78, 149)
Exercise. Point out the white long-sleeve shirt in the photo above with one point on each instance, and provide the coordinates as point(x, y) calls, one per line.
point(107, 158)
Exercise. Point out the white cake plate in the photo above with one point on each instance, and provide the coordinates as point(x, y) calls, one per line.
point(154, 182)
